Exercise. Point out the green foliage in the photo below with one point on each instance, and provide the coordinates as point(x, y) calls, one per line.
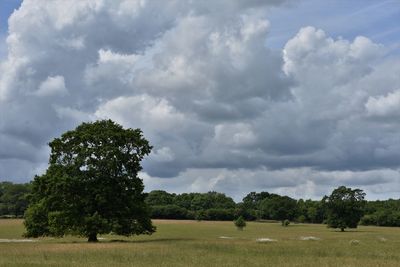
point(91, 186)
point(249, 214)
point(263, 205)
point(301, 219)
point(344, 207)
point(36, 219)
point(279, 208)
point(217, 214)
point(169, 212)
point(383, 217)
point(382, 213)
point(285, 223)
point(240, 223)
point(159, 198)
point(199, 206)
point(211, 200)
point(13, 198)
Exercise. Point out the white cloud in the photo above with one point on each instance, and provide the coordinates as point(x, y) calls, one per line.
point(384, 106)
point(338, 61)
point(52, 86)
point(142, 110)
point(234, 135)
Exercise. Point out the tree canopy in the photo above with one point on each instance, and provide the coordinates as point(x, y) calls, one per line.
point(91, 186)
point(13, 198)
point(279, 208)
point(344, 207)
point(240, 223)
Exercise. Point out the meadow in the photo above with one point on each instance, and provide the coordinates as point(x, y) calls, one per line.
point(205, 243)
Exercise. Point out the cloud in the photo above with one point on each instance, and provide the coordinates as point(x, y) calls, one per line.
point(384, 106)
point(222, 109)
point(52, 86)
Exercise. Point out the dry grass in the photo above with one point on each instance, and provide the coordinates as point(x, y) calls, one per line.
point(191, 243)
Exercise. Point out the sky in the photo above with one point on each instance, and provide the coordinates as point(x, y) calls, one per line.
point(291, 97)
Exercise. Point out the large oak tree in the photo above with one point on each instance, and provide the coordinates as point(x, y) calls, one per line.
point(91, 186)
point(344, 207)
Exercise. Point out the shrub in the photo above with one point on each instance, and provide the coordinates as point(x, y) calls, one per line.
point(240, 223)
point(301, 219)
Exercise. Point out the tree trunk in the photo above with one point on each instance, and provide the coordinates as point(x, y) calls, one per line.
point(92, 237)
point(341, 229)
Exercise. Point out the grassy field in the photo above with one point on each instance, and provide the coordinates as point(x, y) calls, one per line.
point(190, 243)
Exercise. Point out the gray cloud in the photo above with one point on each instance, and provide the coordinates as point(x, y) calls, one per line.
point(222, 110)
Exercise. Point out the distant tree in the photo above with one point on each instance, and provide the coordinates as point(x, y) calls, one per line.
point(240, 223)
point(184, 200)
point(286, 223)
point(159, 198)
point(279, 208)
point(312, 214)
point(212, 200)
point(301, 219)
point(91, 186)
point(344, 207)
point(169, 212)
point(13, 198)
point(249, 214)
point(219, 214)
point(253, 199)
point(251, 208)
point(382, 213)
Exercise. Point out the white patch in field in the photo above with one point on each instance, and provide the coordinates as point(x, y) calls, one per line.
point(313, 238)
point(16, 240)
point(226, 237)
point(262, 240)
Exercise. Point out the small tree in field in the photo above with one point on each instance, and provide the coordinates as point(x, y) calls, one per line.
point(240, 223)
point(91, 186)
point(286, 223)
point(344, 207)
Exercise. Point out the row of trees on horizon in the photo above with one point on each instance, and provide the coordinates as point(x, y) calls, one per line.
point(14, 199)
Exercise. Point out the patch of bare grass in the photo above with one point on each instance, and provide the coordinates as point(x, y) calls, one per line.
point(6, 240)
point(265, 240)
point(226, 237)
point(311, 238)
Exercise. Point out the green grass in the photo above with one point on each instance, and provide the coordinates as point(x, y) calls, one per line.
point(189, 243)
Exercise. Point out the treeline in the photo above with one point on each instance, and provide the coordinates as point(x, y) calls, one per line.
point(198, 206)
point(14, 199)
point(260, 206)
point(382, 213)
point(218, 206)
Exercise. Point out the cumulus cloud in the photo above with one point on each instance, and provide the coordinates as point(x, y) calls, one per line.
point(383, 106)
point(222, 110)
point(52, 86)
